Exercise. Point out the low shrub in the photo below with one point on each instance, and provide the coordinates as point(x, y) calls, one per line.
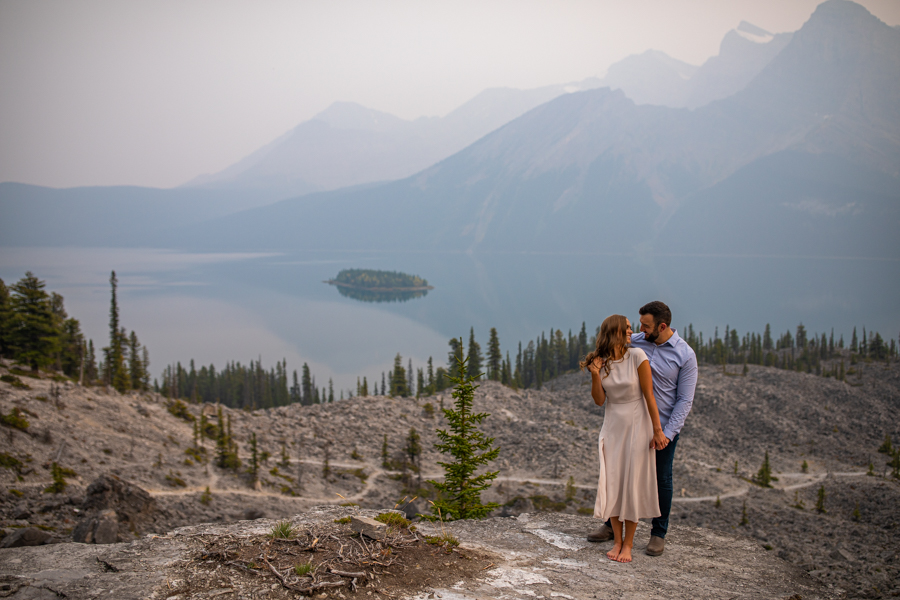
point(15, 419)
point(180, 410)
point(15, 382)
point(392, 519)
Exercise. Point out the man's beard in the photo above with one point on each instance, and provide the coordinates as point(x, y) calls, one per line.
point(652, 337)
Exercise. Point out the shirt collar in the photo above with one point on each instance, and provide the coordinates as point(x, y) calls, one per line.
point(672, 340)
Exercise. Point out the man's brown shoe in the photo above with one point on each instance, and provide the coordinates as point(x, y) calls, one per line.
point(656, 546)
point(604, 534)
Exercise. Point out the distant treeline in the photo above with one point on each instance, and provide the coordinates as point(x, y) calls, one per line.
point(239, 386)
point(537, 362)
point(372, 278)
point(35, 331)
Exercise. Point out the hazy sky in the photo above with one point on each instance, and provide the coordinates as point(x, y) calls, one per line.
point(155, 93)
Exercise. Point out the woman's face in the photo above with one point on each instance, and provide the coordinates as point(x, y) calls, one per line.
point(627, 331)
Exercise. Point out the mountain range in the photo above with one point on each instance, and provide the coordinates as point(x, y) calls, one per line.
point(801, 156)
point(804, 160)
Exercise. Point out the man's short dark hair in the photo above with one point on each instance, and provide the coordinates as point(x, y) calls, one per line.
point(659, 311)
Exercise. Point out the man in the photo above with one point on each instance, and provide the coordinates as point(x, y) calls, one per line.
point(674, 368)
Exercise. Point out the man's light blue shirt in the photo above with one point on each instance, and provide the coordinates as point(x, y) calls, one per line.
point(674, 367)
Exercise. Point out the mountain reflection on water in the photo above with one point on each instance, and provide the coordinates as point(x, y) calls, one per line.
point(364, 295)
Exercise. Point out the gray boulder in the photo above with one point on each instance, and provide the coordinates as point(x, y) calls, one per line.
point(112, 508)
point(28, 536)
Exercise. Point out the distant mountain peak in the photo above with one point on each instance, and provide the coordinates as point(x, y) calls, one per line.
point(751, 32)
point(350, 115)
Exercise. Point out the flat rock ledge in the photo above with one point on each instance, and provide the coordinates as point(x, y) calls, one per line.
point(537, 555)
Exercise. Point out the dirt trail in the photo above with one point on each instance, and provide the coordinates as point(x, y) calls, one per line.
point(807, 480)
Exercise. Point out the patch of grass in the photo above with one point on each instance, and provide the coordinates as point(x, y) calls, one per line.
point(283, 530)
point(393, 519)
point(584, 510)
point(15, 492)
point(288, 490)
point(61, 378)
point(448, 540)
point(174, 480)
point(206, 497)
point(41, 398)
point(349, 504)
point(303, 569)
point(355, 455)
point(342, 520)
point(15, 419)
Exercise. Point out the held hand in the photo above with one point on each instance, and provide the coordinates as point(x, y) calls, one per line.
point(660, 441)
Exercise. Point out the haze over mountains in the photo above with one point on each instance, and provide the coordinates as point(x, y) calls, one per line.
point(793, 148)
point(804, 160)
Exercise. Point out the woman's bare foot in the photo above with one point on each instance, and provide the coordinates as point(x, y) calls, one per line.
point(624, 555)
point(614, 553)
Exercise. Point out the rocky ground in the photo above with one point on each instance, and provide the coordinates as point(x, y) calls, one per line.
point(540, 555)
point(547, 439)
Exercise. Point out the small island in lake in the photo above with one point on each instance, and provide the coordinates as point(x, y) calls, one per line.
point(371, 285)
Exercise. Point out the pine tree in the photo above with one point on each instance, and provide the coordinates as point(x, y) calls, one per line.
point(887, 447)
point(385, 456)
point(744, 519)
point(456, 352)
point(398, 378)
point(306, 386)
point(410, 382)
point(476, 360)
point(494, 356)
point(116, 371)
point(253, 469)
point(4, 320)
point(32, 333)
point(764, 475)
point(460, 491)
point(330, 390)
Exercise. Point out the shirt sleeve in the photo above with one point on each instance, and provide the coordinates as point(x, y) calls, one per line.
point(684, 396)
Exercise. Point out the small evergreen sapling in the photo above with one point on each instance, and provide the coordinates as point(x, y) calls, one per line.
point(459, 495)
point(820, 500)
point(887, 446)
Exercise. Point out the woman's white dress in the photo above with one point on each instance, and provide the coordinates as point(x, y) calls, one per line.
point(627, 486)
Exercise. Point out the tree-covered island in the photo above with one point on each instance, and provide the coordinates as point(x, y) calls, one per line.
point(371, 285)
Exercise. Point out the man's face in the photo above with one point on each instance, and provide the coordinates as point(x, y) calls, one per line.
point(649, 328)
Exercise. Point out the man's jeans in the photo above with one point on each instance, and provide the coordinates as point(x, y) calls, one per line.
point(664, 460)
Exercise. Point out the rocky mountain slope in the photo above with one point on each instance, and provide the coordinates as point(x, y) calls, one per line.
point(547, 461)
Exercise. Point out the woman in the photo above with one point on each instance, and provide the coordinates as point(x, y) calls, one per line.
point(631, 432)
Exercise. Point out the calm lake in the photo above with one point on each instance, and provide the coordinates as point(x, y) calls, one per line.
point(221, 307)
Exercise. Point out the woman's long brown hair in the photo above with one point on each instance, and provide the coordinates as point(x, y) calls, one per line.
point(612, 337)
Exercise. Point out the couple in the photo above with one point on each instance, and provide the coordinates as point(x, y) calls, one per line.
point(647, 382)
